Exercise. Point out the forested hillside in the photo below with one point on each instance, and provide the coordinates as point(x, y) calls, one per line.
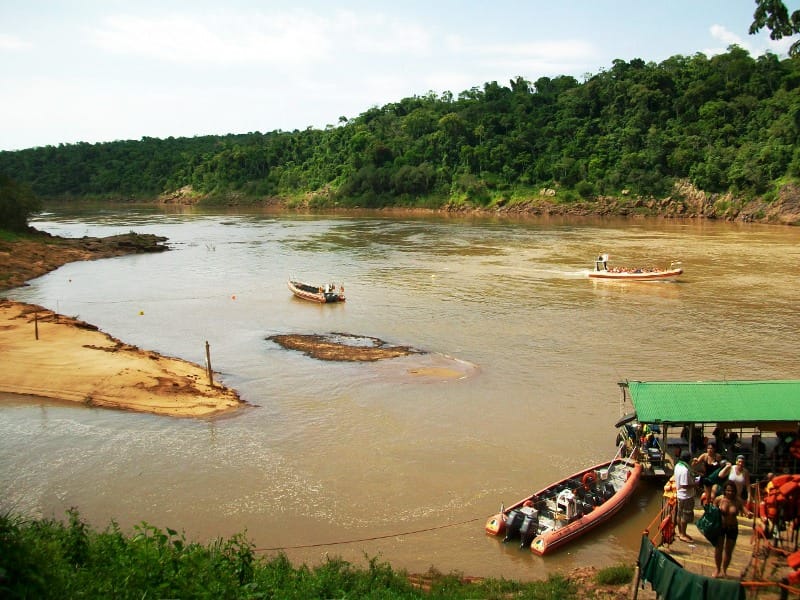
point(726, 124)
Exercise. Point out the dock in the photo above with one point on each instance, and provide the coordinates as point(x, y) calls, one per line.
point(759, 563)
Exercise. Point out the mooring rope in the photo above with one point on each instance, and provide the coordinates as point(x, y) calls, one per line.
point(367, 539)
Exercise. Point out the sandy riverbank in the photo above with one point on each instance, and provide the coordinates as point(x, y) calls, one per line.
point(74, 361)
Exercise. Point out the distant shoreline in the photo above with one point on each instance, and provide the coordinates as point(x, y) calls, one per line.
point(685, 202)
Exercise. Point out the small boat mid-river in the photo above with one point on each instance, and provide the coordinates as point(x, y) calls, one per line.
point(317, 293)
point(603, 271)
point(565, 510)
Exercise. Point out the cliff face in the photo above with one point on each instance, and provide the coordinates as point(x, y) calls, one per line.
point(785, 210)
point(685, 202)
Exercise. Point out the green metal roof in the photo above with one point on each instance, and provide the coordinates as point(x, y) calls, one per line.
point(715, 401)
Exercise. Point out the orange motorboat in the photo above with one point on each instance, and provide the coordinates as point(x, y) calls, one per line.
point(567, 509)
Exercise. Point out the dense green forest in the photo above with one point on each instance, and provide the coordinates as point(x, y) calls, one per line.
point(725, 124)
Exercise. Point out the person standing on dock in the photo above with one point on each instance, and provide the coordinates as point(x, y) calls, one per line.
point(709, 465)
point(685, 482)
point(740, 477)
point(730, 507)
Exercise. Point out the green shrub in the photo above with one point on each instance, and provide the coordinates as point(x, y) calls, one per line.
point(616, 575)
point(585, 189)
point(49, 559)
point(17, 203)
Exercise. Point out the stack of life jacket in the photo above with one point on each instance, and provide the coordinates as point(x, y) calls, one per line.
point(782, 501)
point(781, 505)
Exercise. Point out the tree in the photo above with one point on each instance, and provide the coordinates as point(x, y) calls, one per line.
point(17, 202)
point(774, 15)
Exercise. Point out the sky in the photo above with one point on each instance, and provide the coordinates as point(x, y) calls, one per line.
point(104, 70)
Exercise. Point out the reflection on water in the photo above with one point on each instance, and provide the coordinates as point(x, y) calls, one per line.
point(517, 389)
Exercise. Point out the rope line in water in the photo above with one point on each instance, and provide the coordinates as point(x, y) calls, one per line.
point(166, 299)
point(368, 539)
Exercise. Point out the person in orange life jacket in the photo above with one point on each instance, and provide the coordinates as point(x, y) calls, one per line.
point(685, 482)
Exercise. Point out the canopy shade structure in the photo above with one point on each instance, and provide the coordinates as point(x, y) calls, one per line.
point(768, 404)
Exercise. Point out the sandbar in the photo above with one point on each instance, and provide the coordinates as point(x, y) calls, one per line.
point(72, 360)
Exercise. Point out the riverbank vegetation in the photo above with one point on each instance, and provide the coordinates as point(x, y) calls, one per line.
point(51, 559)
point(690, 136)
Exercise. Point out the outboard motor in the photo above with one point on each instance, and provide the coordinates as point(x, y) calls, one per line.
point(514, 521)
point(529, 528)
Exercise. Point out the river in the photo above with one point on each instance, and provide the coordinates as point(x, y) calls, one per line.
point(390, 459)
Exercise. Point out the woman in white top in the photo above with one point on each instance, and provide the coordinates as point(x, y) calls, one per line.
point(739, 476)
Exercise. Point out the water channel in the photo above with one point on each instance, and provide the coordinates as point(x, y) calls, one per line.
point(390, 459)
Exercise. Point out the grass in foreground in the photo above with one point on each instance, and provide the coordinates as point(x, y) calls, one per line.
point(50, 559)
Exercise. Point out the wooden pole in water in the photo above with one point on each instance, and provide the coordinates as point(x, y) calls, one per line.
point(36, 325)
point(208, 365)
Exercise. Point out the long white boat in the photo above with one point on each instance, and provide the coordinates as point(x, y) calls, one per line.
point(603, 271)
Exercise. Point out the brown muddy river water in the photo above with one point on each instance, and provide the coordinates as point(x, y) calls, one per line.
point(401, 459)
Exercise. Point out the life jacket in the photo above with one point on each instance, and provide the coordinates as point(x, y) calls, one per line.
point(783, 499)
point(667, 529)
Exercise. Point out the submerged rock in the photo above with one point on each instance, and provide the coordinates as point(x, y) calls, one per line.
point(342, 346)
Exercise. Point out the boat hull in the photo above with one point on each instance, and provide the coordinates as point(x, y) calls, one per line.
point(314, 293)
point(625, 477)
point(636, 275)
point(553, 540)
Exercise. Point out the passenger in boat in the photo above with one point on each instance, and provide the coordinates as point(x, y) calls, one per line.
point(733, 445)
point(685, 482)
point(708, 464)
point(719, 438)
point(693, 435)
point(730, 506)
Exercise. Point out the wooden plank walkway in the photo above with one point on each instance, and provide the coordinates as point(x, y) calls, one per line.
point(698, 556)
point(754, 558)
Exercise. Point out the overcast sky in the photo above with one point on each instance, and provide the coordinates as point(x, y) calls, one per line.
point(107, 70)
